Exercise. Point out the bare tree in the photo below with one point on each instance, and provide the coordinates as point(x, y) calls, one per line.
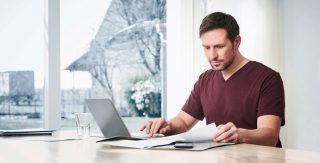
point(132, 33)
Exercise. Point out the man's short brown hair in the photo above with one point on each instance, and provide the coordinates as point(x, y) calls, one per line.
point(220, 20)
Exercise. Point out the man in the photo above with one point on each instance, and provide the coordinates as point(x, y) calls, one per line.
point(244, 98)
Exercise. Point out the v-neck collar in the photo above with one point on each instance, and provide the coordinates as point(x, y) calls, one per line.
point(234, 74)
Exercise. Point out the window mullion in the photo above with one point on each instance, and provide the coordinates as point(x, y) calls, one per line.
point(52, 66)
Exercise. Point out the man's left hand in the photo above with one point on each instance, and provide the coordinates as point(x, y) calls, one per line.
point(227, 133)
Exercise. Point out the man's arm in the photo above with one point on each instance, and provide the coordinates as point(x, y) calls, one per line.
point(267, 132)
point(180, 123)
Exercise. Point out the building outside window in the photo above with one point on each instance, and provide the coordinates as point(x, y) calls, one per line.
point(21, 64)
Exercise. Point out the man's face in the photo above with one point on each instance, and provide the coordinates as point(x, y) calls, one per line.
point(218, 49)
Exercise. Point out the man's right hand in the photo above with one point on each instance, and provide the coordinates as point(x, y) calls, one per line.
point(159, 125)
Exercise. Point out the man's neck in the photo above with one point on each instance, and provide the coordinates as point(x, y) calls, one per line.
point(238, 62)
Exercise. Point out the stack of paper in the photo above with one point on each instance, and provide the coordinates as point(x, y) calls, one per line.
point(198, 136)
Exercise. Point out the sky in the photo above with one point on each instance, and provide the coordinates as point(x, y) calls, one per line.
point(22, 36)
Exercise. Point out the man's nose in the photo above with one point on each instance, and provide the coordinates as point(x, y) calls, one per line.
point(213, 55)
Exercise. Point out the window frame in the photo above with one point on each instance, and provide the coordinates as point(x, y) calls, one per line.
point(52, 67)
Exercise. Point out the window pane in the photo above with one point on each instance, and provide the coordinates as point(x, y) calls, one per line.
point(113, 49)
point(21, 64)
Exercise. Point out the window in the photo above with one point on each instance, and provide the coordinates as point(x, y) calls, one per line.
point(21, 64)
point(113, 49)
point(109, 49)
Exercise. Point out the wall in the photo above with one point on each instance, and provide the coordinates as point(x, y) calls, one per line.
point(302, 73)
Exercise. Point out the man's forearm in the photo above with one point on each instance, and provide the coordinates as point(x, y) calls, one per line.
point(261, 136)
point(177, 125)
point(181, 123)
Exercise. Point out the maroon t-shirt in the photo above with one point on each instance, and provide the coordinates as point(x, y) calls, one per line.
point(252, 91)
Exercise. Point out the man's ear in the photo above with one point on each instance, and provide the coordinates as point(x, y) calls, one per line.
point(237, 41)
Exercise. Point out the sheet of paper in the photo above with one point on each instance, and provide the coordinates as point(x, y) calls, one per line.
point(198, 135)
point(138, 143)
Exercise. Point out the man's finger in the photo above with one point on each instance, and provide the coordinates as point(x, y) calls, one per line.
point(158, 126)
point(220, 131)
point(152, 131)
point(148, 127)
point(143, 127)
point(230, 139)
point(219, 126)
point(165, 130)
point(223, 136)
point(229, 125)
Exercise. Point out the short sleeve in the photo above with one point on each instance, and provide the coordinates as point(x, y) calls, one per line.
point(272, 99)
point(193, 105)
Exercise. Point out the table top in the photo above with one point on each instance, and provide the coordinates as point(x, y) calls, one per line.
point(87, 150)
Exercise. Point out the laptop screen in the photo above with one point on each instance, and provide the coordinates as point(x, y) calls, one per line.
point(107, 118)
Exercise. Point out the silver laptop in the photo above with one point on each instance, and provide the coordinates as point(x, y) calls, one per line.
point(109, 120)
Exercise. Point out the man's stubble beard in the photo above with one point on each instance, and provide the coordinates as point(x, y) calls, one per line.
point(225, 65)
